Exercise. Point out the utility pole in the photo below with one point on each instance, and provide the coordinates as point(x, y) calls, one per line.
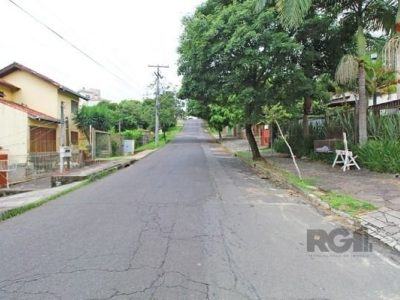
point(62, 133)
point(158, 77)
point(68, 142)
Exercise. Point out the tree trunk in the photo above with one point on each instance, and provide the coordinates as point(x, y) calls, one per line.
point(307, 108)
point(363, 106)
point(220, 135)
point(355, 121)
point(397, 66)
point(252, 142)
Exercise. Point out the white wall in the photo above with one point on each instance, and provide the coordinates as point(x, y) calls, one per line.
point(14, 132)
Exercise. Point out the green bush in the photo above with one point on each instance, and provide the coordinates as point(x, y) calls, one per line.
point(136, 134)
point(339, 120)
point(380, 155)
point(280, 146)
point(302, 146)
point(114, 148)
point(384, 127)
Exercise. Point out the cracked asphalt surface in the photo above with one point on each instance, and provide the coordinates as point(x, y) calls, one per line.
point(189, 222)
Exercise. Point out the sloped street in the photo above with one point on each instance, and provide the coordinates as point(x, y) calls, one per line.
point(190, 221)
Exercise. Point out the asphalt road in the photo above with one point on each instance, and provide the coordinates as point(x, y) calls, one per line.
point(188, 222)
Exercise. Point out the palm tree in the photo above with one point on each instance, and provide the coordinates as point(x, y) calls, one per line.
point(372, 15)
point(391, 51)
point(291, 12)
point(358, 15)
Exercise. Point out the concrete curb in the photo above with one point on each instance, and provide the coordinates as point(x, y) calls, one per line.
point(355, 224)
point(58, 180)
point(275, 175)
point(25, 199)
point(22, 200)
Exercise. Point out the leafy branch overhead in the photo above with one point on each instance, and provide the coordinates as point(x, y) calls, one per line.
point(276, 113)
point(261, 52)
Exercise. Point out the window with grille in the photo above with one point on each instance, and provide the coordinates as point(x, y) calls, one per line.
point(74, 138)
point(74, 107)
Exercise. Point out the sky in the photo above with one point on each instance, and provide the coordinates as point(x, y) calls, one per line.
point(124, 36)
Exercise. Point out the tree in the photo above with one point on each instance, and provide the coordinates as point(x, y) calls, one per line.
point(356, 16)
point(222, 116)
point(291, 12)
point(169, 111)
point(129, 114)
point(379, 79)
point(391, 51)
point(148, 114)
point(323, 44)
point(197, 109)
point(275, 114)
point(100, 117)
point(370, 15)
point(228, 52)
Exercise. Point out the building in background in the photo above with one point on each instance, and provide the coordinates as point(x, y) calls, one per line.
point(93, 96)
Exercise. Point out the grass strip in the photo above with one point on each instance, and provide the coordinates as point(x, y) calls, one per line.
point(247, 155)
point(344, 203)
point(348, 204)
point(307, 184)
point(169, 136)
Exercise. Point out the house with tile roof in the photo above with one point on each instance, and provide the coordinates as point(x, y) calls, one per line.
point(30, 113)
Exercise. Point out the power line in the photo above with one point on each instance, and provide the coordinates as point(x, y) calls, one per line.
point(99, 64)
point(113, 63)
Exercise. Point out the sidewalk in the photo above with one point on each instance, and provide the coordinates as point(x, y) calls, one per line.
point(70, 180)
point(382, 190)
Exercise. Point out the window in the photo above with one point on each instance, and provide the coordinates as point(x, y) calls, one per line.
point(74, 107)
point(74, 138)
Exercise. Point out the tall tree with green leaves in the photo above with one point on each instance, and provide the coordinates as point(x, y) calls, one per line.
point(197, 109)
point(323, 42)
point(129, 114)
point(391, 51)
point(372, 15)
point(291, 12)
point(357, 16)
point(170, 109)
point(100, 117)
point(228, 52)
point(223, 116)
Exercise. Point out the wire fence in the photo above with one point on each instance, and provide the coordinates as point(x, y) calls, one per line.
point(102, 144)
point(19, 168)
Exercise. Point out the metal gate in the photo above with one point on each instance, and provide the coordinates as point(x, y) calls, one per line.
point(3, 170)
